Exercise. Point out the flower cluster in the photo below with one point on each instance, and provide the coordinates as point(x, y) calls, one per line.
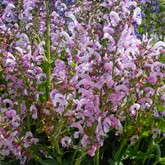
point(76, 76)
point(153, 19)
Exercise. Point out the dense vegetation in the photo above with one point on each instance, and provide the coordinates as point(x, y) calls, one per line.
point(82, 82)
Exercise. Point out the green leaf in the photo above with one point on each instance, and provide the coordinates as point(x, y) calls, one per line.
point(73, 63)
point(145, 133)
point(161, 108)
point(9, 163)
point(139, 155)
point(162, 160)
point(111, 162)
point(49, 162)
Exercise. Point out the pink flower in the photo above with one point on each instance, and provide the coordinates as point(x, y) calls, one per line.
point(152, 78)
point(158, 44)
point(129, 65)
point(28, 134)
point(33, 109)
point(149, 91)
point(26, 15)
point(26, 141)
point(163, 97)
point(113, 121)
point(10, 139)
point(70, 15)
point(53, 93)
point(59, 98)
point(80, 129)
point(155, 132)
point(34, 140)
point(119, 128)
point(8, 13)
point(106, 3)
point(134, 108)
point(59, 70)
point(114, 17)
point(145, 102)
point(66, 36)
point(40, 77)
point(86, 83)
point(92, 151)
point(137, 15)
point(116, 97)
point(10, 113)
point(122, 88)
point(84, 140)
point(65, 141)
point(134, 139)
point(2, 86)
point(15, 121)
point(108, 30)
point(9, 102)
point(23, 40)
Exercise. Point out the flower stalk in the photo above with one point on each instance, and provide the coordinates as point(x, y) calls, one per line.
point(96, 157)
point(48, 62)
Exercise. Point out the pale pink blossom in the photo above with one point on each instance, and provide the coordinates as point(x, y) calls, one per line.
point(65, 141)
point(114, 17)
point(137, 15)
point(92, 151)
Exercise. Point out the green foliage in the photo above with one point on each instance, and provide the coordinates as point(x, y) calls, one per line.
point(153, 22)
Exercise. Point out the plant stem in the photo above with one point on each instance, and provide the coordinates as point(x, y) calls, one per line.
point(118, 154)
point(78, 161)
point(96, 158)
point(158, 152)
point(75, 152)
point(59, 153)
point(48, 63)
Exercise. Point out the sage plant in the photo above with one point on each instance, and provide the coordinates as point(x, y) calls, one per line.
point(74, 74)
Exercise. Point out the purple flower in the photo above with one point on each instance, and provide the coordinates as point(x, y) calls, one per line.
point(40, 77)
point(15, 121)
point(113, 121)
point(34, 140)
point(79, 127)
point(8, 14)
point(159, 44)
point(2, 86)
point(149, 91)
point(129, 65)
point(152, 78)
point(114, 17)
point(143, 1)
point(84, 140)
point(9, 102)
point(60, 101)
point(29, 140)
point(10, 139)
point(134, 108)
point(155, 132)
point(33, 109)
point(26, 15)
point(116, 97)
point(60, 70)
point(145, 102)
point(65, 141)
point(10, 113)
point(86, 83)
point(134, 139)
point(108, 30)
point(92, 151)
point(23, 40)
